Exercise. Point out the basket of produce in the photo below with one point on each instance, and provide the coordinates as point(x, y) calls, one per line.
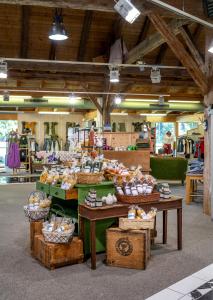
point(38, 206)
point(138, 219)
point(89, 178)
point(153, 197)
point(59, 230)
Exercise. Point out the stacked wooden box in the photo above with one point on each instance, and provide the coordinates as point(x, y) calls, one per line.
point(128, 248)
point(54, 255)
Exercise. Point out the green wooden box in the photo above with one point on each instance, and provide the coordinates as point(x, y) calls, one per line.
point(43, 187)
point(57, 192)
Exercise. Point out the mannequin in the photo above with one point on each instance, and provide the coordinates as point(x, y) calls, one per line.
point(168, 141)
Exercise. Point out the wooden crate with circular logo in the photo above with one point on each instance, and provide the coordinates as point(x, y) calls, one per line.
point(128, 249)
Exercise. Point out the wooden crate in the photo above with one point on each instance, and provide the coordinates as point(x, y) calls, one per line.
point(57, 255)
point(126, 224)
point(128, 249)
point(35, 229)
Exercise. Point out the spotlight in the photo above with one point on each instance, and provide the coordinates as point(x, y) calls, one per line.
point(161, 100)
point(211, 48)
point(114, 75)
point(58, 32)
point(72, 98)
point(3, 70)
point(155, 75)
point(141, 65)
point(117, 99)
point(127, 10)
point(6, 96)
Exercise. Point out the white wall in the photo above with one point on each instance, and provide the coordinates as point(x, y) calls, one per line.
point(40, 119)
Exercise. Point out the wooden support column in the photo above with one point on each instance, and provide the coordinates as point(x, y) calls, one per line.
point(208, 155)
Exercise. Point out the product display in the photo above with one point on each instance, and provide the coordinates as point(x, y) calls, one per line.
point(38, 206)
point(93, 201)
point(59, 230)
point(164, 190)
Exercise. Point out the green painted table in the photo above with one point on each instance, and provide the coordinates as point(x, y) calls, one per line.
point(63, 205)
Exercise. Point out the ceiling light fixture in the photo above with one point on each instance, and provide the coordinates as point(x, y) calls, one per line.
point(6, 96)
point(118, 114)
point(184, 101)
point(53, 112)
point(58, 32)
point(72, 98)
point(141, 100)
point(127, 10)
point(114, 75)
point(153, 115)
point(117, 99)
point(141, 65)
point(155, 75)
point(161, 100)
point(3, 69)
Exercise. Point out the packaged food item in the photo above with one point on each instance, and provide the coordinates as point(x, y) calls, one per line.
point(132, 212)
point(152, 213)
point(134, 190)
point(141, 213)
point(119, 190)
point(127, 189)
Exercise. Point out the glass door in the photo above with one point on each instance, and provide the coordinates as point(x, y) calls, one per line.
point(5, 127)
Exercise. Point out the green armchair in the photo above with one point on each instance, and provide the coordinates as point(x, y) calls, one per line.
point(169, 168)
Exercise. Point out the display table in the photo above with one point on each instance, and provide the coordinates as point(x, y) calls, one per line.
point(191, 181)
point(131, 158)
point(121, 210)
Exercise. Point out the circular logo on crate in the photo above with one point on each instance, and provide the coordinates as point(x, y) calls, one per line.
point(124, 246)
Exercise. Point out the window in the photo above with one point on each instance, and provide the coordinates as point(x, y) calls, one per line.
point(161, 129)
point(183, 127)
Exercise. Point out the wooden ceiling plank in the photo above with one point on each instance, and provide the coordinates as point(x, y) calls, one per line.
point(24, 43)
point(153, 41)
point(84, 35)
point(192, 48)
point(179, 50)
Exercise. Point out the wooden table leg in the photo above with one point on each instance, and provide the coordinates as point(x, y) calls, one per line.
point(188, 190)
point(81, 228)
point(93, 244)
point(179, 228)
point(165, 215)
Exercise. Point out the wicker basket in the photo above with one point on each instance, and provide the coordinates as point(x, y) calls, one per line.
point(58, 237)
point(153, 197)
point(89, 178)
point(36, 215)
point(126, 224)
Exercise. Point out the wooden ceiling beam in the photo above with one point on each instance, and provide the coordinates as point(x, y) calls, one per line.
point(161, 53)
point(52, 52)
point(153, 42)
point(192, 48)
point(144, 30)
point(24, 38)
point(193, 7)
point(179, 50)
point(84, 35)
point(92, 98)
